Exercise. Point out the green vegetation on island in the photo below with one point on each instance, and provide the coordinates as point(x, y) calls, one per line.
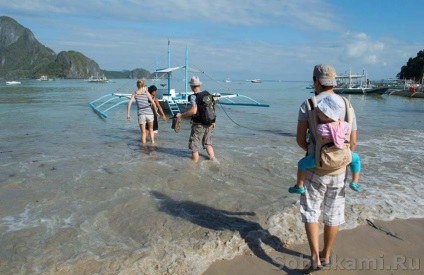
point(22, 56)
point(414, 68)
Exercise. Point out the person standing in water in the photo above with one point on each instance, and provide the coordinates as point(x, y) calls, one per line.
point(144, 111)
point(152, 91)
point(201, 134)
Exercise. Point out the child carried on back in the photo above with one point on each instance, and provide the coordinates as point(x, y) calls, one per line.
point(332, 127)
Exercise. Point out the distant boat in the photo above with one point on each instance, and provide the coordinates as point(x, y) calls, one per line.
point(45, 78)
point(13, 82)
point(227, 80)
point(256, 81)
point(356, 84)
point(98, 79)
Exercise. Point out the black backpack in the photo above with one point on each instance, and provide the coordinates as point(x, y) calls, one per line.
point(205, 109)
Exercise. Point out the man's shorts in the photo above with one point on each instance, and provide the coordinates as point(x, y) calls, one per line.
point(142, 119)
point(327, 189)
point(200, 135)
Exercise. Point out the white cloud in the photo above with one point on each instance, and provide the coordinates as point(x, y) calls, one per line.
point(361, 49)
point(299, 13)
point(285, 38)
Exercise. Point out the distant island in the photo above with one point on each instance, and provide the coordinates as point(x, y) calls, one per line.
point(23, 56)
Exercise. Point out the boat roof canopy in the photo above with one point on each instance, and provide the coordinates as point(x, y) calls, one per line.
point(168, 70)
point(349, 76)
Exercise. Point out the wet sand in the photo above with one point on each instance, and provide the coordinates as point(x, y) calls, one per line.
point(363, 250)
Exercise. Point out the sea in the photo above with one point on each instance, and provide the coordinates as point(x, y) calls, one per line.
point(80, 194)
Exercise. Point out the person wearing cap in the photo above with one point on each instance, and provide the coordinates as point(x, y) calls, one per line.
point(322, 189)
point(144, 111)
point(201, 135)
point(333, 128)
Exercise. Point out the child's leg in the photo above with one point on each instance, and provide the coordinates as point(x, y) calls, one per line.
point(301, 175)
point(355, 168)
point(303, 164)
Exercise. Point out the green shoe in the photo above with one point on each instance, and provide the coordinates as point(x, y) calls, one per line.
point(296, 190)
point(354, 186)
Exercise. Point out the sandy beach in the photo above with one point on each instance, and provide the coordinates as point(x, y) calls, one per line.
point(363, 250)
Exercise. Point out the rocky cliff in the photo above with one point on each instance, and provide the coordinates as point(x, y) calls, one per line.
point(22, 56)
point(20, 52)
point(77, 65)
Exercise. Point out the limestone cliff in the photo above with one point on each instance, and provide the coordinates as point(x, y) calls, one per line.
point(22, 56)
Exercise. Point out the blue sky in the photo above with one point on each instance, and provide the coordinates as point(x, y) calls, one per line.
point(237, 39)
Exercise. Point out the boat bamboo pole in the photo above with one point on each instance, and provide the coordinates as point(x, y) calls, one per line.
point(186, 74)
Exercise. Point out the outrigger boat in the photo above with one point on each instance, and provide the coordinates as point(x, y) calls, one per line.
point(408, 93)
point(170, 100)
point(356, 84)
point(97, 79)
point(13, 82)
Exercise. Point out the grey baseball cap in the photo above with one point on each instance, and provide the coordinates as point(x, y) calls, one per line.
point(326, 74)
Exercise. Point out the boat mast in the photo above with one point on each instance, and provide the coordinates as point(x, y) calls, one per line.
point(186, 74)
point(157, 67)
point(169, 66)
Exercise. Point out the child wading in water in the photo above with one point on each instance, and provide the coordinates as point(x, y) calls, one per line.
point(332, 127)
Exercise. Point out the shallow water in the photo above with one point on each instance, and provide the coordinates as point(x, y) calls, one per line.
point(79, 194)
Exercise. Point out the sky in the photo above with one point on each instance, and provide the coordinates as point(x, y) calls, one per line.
point(237, 39)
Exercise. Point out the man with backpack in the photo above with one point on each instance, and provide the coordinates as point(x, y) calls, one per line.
point(203, 120)
point(325, 187)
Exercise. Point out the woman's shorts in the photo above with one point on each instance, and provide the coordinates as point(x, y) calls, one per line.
point(143, 119)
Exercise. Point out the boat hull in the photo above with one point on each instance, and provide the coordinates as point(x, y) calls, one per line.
point(13, 82)
point(407, 93)
point(184, 107)
point(360, 91)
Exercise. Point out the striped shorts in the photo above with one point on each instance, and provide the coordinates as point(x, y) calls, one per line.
point(326, 189)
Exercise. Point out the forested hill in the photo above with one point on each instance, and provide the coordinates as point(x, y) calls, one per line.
point(414, 68)
point(23, 56)
point(20, 52)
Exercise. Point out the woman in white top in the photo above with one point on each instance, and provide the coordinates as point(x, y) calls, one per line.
point(144, 111)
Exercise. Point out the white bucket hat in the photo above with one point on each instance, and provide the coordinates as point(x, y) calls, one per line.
point(195, 81)
point(332, 106)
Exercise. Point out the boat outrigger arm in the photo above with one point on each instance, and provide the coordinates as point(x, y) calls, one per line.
point(228, 97)
point(107, 102)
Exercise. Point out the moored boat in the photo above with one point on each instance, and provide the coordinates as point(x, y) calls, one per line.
point(170, 100)
point(13, 82)
point(356, 84)
point(97, 79)
point(43, 78)
point(256, 81)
